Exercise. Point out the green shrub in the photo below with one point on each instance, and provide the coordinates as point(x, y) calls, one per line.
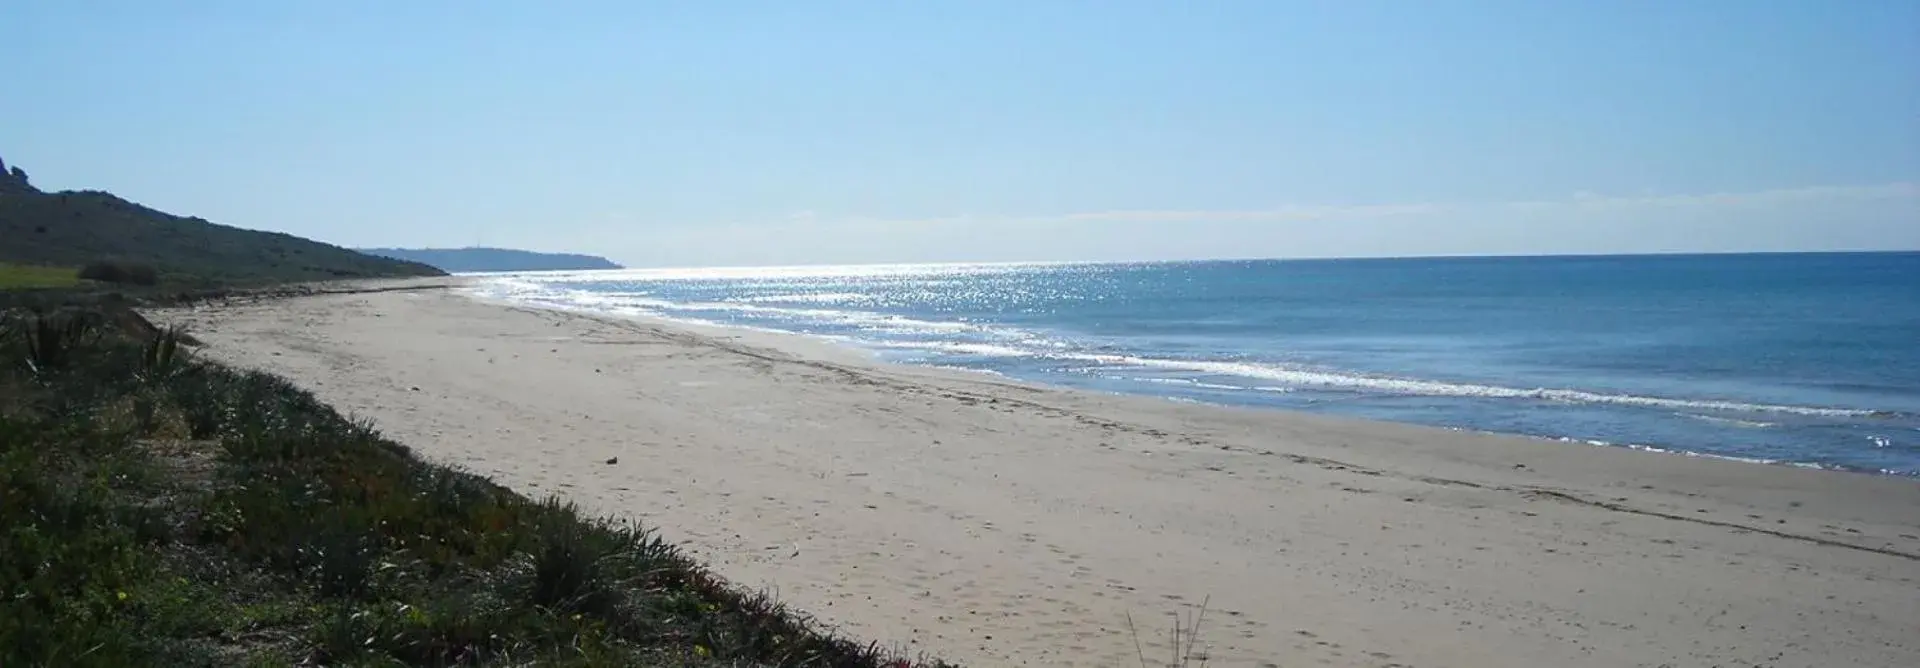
point(120, 272)
point(157, 509)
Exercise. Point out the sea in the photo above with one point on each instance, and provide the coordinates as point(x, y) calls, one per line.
point(1792, 359)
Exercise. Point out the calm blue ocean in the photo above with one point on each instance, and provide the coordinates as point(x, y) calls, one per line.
point(1809, 359)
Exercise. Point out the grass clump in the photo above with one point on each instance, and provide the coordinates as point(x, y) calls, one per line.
point(156, 509)
point(1184, 650)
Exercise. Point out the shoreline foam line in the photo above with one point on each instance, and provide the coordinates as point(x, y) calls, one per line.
point(870, 346)
point(1297, 376)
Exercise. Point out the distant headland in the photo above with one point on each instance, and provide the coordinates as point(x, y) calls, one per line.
point(492, 259)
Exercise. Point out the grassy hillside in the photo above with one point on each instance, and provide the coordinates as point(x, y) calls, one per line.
point(70, 229)
point(28, 276)
point(157, 510)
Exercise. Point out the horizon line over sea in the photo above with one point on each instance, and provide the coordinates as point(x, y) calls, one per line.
point(1326, 258)
point(1791, 358)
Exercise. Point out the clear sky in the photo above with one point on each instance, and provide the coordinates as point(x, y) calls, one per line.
point(712, 132)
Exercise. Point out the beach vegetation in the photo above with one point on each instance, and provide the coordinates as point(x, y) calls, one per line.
point(120, 272)
point(27, 276)
point(1184, 648)
point(157, 508)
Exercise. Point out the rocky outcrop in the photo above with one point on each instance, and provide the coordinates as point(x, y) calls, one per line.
point(13, 179)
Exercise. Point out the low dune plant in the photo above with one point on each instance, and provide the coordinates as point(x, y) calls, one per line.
point(1183, 640)
point(159, 509)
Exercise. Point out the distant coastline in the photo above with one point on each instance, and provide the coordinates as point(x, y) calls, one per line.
point(493, 259)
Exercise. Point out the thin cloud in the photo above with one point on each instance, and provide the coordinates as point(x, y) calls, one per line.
point(1575, 203)
point(1776, 197)
point(1291, 213)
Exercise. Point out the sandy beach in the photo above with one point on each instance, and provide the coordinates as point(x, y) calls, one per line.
point(1003, 524)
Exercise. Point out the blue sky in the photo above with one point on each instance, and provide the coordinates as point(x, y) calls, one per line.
point(713, 132)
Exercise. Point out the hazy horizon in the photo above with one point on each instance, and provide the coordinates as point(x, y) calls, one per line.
point(1043, 262)
point(765, 134)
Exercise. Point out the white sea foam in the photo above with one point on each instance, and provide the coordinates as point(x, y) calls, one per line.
point(1734, 422)
point(968, 369)
point(1188, 382)
point(1319, 378)
point(957, 347)
point(794, 272)
point(808, 298)
point(1690, 453)
point(509, 287)
point(1014, 343)
point(856, 319)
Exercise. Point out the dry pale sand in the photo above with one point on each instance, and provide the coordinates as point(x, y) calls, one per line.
point(1004, 524)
